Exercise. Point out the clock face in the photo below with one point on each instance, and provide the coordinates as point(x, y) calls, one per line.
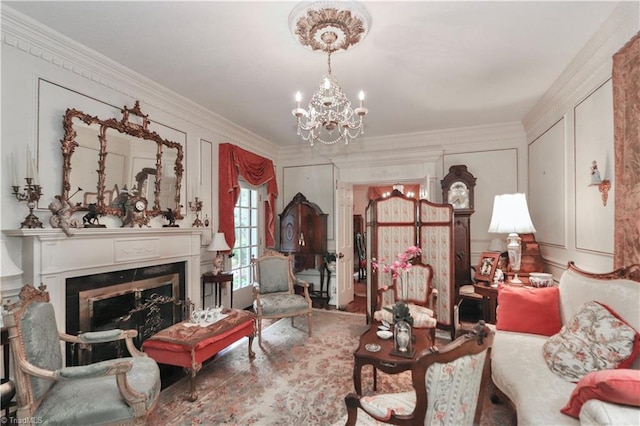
point(141, 205)
point(459, 195)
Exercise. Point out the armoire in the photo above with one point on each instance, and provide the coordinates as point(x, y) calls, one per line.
point(397, 222)
point(303, 235)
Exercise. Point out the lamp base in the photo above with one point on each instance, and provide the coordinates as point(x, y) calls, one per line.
point(515, 281)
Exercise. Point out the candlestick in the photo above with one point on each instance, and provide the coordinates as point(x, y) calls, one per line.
point(196, 206)
point(31, 195)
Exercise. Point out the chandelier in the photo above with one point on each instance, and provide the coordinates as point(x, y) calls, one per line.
point(328, 27)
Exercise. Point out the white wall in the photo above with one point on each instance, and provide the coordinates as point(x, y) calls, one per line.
point(32, 53)
point(44, 73)
point(571, 126)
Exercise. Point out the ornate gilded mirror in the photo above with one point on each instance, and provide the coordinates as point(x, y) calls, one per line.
point(105, 161)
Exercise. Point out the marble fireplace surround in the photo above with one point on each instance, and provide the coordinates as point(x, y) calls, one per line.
point(49, 257)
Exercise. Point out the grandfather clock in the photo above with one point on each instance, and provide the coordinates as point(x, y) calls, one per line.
point(457, 190)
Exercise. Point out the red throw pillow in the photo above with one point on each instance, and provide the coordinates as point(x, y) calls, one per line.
point(620, 386)
point(529, 310)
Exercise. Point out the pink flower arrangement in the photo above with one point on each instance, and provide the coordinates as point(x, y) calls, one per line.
point(400, 265)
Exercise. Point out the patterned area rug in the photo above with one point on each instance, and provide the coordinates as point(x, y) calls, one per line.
point(294, 380)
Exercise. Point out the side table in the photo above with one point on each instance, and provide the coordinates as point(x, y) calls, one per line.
point(383, 360)
point(489, 301)
point(218, 281)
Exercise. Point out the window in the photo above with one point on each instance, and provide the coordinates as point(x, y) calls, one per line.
point(246, 217)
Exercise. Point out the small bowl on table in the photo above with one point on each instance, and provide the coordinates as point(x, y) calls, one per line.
point(384, 334)
point(540, 279)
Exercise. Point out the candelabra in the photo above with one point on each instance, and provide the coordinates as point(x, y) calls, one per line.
point(31, 195)
point(196, 206)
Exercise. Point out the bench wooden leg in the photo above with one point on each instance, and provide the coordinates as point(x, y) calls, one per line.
point(193, 393)
point(252, 354)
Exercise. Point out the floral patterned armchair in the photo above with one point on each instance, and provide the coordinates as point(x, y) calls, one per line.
point(273, 292)
point(415, 288)
point(119, 391)
point(448, 387)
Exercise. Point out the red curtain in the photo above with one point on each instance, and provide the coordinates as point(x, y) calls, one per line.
point(233, 162)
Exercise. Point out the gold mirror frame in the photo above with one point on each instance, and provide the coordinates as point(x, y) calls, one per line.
point(124, 126)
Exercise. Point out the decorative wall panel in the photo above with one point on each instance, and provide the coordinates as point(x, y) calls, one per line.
point(547, 191)
point(594, 142)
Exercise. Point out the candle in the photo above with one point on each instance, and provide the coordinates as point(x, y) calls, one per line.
point(14, 173)
point(361, 97)
point(34, 169)
point(29, 164)
point(298, 99)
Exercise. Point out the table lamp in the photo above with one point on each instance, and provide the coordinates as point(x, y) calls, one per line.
point(218, 244)
point(511, 215)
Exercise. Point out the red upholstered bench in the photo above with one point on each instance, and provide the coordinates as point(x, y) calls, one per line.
point(188, 346)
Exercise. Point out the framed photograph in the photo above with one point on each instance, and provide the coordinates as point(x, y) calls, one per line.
point(487, 265)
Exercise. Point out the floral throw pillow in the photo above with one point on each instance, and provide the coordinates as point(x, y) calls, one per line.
point(594, 339)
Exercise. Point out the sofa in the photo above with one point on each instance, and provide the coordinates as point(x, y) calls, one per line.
point(520, 368)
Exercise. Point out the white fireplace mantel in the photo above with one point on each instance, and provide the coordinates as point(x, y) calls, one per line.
point(49, 257)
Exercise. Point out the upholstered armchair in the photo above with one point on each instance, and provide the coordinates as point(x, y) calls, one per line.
point(418, 294)
point(119, 391)
point(273, 290)
point(448, 387)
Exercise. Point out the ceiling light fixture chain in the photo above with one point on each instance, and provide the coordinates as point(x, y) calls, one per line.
point(329, 117)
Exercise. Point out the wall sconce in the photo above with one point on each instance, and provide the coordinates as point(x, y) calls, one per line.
point(603, 185)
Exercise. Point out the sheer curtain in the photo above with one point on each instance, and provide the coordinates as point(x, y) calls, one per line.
point(256, 170)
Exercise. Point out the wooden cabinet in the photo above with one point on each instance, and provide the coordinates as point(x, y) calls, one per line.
point(303, 232)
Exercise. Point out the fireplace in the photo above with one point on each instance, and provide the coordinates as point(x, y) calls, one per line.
point(146, 299)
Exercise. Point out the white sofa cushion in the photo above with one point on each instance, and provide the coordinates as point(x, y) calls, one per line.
point(596, 412)
point(519, 370)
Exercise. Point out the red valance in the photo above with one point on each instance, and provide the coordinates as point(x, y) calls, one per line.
point(256, 170)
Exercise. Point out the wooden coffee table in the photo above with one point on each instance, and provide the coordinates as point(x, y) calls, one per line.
point(383, 360)
point(188, 346)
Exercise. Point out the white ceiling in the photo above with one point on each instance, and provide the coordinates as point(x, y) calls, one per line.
point(424, 65)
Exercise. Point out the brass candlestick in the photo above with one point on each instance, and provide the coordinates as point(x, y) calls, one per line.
point(31, 195)
point(196, 206)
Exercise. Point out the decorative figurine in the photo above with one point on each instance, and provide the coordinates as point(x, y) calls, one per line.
point(62, 216)
point(595, 174)
point(171, 218)
point(90, 220)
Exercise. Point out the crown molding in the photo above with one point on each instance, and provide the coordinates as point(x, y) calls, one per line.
point(416, 147)
point(589, 69)
point(33, 38)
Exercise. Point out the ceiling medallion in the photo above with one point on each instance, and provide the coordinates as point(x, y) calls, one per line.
point(328, 27)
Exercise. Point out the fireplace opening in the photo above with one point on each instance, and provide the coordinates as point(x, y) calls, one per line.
point(144, 299)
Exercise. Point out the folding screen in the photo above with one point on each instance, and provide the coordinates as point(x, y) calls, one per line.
point(397, 222)
point(436, 241)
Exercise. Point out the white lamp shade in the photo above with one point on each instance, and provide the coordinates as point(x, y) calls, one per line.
point(511, 215)
point(8, 268)
point(219, 243)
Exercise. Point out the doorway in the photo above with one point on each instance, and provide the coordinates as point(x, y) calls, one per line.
point(362, 194)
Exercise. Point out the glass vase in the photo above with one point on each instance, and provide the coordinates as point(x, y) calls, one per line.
point(402, 336)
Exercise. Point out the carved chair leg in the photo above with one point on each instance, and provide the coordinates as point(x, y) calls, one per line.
point(352, 409)
point(260, 331)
